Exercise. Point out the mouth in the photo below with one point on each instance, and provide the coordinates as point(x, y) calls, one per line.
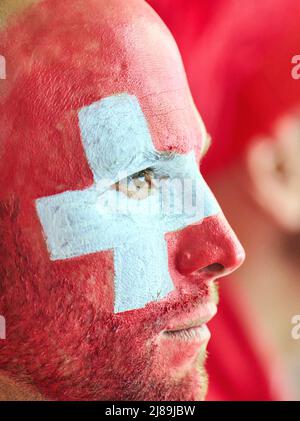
point(198, 333)
point(192, 328)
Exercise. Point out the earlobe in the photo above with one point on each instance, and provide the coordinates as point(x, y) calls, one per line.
point(274, 184)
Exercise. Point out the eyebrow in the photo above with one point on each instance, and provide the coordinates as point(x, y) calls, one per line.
point(170, 155)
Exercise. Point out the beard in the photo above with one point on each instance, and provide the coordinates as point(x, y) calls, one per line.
point(70, 351)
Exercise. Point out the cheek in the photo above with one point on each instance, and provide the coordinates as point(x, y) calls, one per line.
point(91, 277)
point(87, 279)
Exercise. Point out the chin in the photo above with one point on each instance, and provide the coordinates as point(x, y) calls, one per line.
point(120, 366)
point(82, 353)
point(181, 368)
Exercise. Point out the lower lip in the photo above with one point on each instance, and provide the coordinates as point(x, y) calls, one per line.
point(199, 334)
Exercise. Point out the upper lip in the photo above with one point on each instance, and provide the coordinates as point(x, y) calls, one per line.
point(194, 320)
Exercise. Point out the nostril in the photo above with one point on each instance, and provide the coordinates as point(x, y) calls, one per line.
point(213, 268)
point(187, 265)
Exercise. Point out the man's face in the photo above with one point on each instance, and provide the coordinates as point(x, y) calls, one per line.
point(111, 239)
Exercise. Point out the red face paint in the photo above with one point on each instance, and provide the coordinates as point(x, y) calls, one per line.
point(61, 330)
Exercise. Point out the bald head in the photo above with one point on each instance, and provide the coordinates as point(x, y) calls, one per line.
point(62, 56)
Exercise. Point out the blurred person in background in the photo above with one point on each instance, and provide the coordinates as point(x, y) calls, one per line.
point(241, 65)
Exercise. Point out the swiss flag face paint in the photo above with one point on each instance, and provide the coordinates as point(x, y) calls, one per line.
point(105, 295)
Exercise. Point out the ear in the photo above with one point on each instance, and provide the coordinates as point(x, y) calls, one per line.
point(274, 172)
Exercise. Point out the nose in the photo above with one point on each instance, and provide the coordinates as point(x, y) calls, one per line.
point(209, 247)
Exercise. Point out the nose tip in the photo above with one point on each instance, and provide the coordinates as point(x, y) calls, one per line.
point(210, 248)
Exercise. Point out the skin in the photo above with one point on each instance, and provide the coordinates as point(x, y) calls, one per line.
point(63, 339)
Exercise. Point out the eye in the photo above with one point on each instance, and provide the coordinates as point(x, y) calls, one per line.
point(137, 186)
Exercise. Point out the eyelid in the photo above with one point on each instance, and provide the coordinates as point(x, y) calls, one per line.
point(155, 172)
point(140, 173)
point(168, 164)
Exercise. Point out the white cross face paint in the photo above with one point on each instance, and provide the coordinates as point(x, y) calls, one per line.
point(116, 140)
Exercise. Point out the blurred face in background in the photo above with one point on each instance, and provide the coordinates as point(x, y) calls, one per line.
point(265, 187)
